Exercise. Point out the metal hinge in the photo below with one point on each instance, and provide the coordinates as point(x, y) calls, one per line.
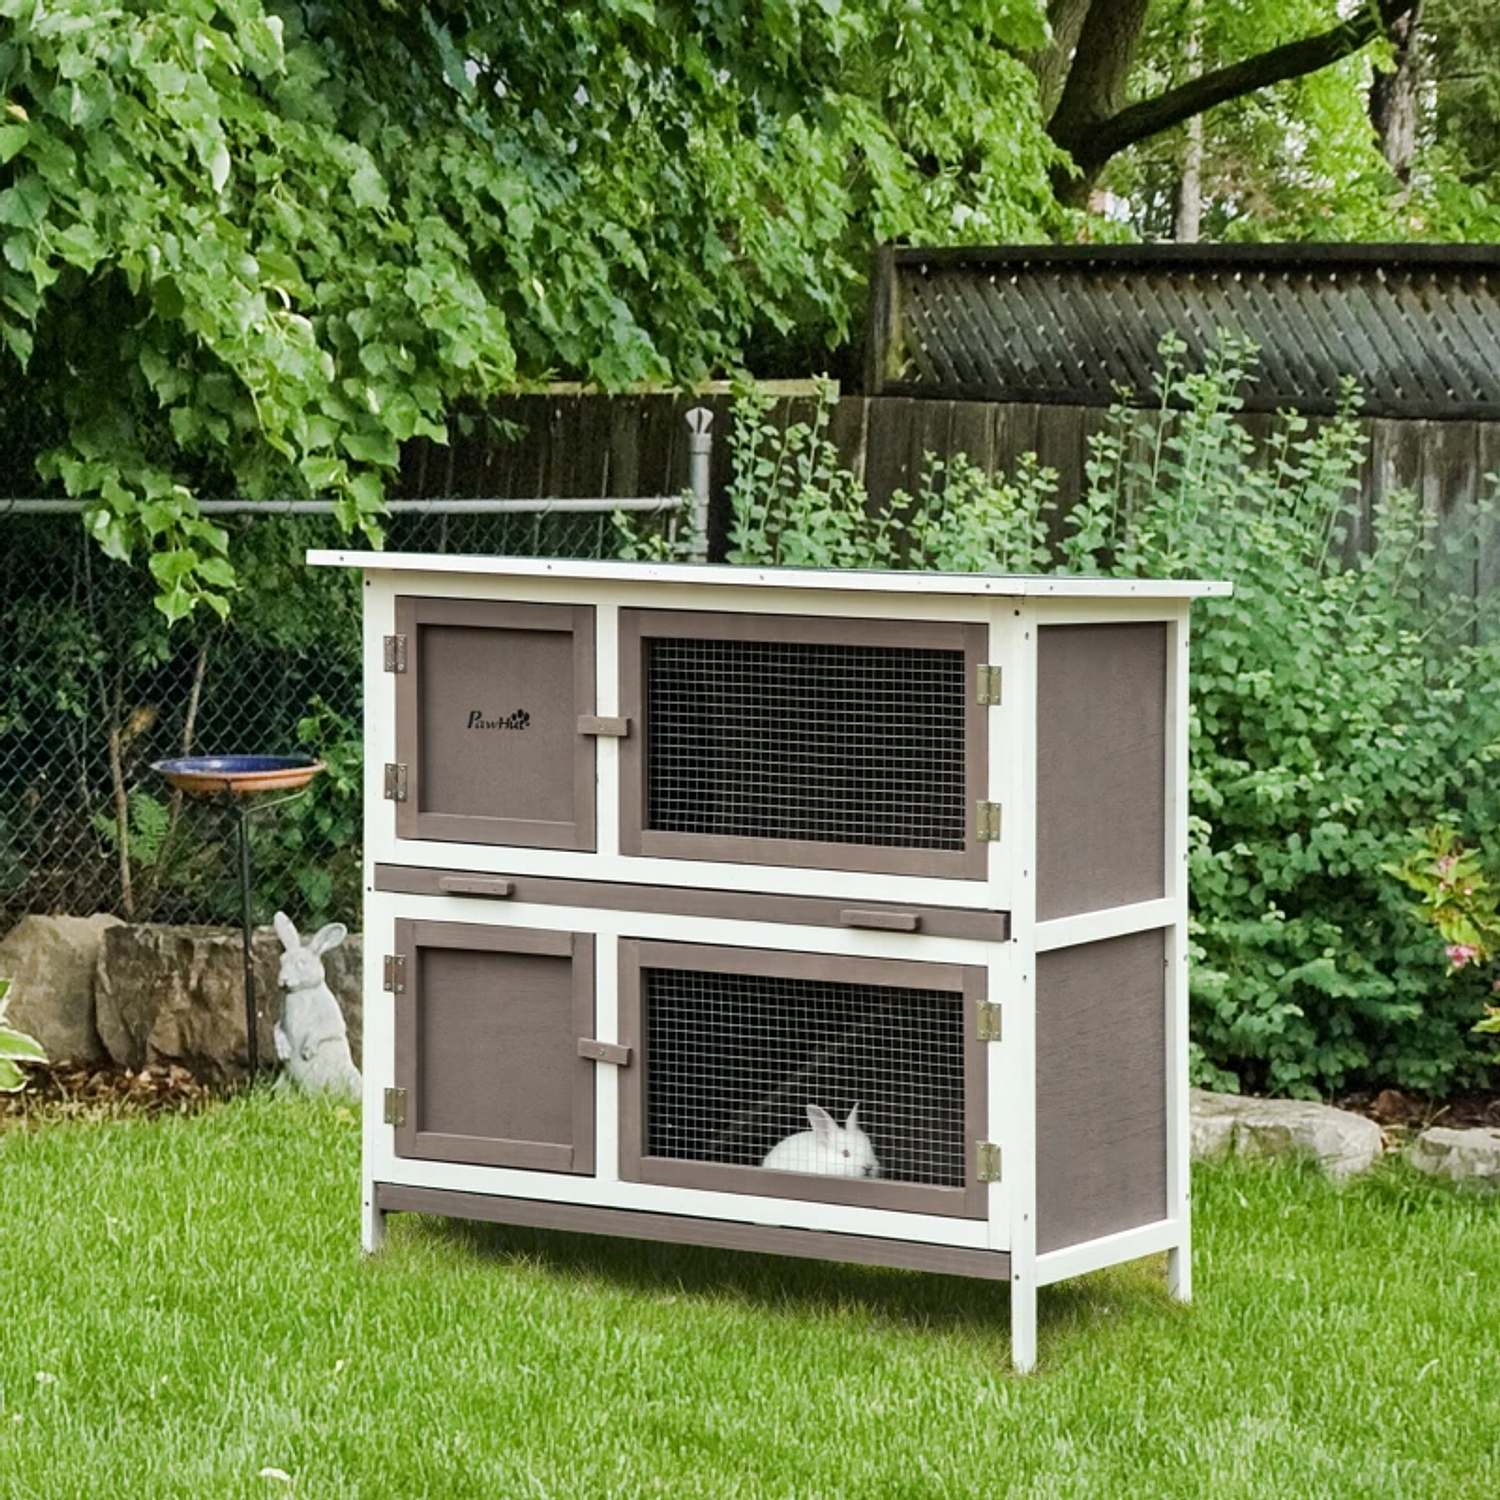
point(988, 686)
point(988, 829)
point(395, 653)
point(986, 1161)
point(989, 1021)
point(395, 973)
point(395, 1106)
point(395, 783)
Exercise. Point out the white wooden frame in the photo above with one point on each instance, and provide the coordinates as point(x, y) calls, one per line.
point(1014, 609)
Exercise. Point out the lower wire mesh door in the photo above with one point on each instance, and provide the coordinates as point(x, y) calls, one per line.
point(487, 1033)
point(852, 1081)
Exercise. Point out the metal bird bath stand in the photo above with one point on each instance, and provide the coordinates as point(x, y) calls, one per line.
point(235, 780)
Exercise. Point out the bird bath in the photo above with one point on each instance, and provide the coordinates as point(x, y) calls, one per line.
point(236, 779)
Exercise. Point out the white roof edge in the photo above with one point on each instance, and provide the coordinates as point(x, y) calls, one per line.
point(848, 579)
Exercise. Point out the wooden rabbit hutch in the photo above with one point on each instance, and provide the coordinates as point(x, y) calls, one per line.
point(817, 913)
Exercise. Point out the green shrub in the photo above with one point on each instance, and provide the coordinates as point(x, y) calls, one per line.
point(1338, 700)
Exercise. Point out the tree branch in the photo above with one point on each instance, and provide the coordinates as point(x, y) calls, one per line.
point(1093, 146)
point(1293, 60)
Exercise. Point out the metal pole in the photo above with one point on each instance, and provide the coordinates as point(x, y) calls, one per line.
point(700, 450)
point(248, 934)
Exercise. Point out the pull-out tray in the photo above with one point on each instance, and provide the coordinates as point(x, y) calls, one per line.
point(804, 911)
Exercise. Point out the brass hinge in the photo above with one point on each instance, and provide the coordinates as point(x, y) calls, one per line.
point(986, 1161)
point(395, 1106)
point(988, 829)
point(989, 1021)
point(395, 653)
point(988, 686)
point(395, 783)
point(395, 973)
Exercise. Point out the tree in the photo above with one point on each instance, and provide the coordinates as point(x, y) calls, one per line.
point(1085, 75)
point(1296, 161)
point(252, 246)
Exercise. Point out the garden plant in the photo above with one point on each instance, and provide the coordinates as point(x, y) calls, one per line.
point(1344, 697)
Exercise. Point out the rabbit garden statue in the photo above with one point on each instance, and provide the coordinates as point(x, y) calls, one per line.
point(311, 1039)
point(828, 1149)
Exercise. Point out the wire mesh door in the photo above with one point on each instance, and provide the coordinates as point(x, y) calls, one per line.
point(837, 743)
point(856, 1081)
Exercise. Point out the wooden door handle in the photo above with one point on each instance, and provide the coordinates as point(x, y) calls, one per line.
point(476, 885)
point(884, 921)
point(618, 729)
point(603, 1052)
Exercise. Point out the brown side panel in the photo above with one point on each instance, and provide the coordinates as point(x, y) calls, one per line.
point(1101, 1072)
point(1101, 766)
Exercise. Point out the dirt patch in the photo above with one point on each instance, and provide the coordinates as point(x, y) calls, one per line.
point(105, 1094)
point(1401, 1114)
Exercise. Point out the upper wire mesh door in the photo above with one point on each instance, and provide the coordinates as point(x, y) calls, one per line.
point(834, 743)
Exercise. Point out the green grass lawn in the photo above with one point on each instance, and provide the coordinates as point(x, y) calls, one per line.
point(186, 1307)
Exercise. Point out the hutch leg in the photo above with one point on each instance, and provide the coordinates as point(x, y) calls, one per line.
point(1023, 1326)
point(1180, 1272)
point(372, 1235)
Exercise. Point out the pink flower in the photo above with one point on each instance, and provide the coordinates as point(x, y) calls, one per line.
point(1496, 986)
point(1446, 863)
point(1460, 954)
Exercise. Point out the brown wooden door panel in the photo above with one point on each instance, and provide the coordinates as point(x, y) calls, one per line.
point(487, 1037)
point(487, 723)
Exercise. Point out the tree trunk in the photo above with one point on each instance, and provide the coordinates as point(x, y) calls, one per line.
point(1190, 188)
point(1066, 18)
point(1394, 101)
point(1095, 90)
point(116, 712)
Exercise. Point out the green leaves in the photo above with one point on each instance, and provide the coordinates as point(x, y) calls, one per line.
point(15, 1048)
point(252, 248)
point(24, 204)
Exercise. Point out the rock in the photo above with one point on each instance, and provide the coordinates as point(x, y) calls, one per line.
point(1343, 1143)
point(175, 995)
point(52, 961)
point(1462, 1155)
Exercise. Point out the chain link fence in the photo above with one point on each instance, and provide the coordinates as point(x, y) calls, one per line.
point(94, 688)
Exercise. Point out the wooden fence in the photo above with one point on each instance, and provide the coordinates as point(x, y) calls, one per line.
point(589, 445)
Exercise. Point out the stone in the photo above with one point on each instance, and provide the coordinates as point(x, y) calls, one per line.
point(1471, 1155)
point(1342, 1143)
point(175, 995)
point(52, 961)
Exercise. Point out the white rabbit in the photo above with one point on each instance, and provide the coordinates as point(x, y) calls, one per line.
point(828, 1149)
point(311, 1038)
